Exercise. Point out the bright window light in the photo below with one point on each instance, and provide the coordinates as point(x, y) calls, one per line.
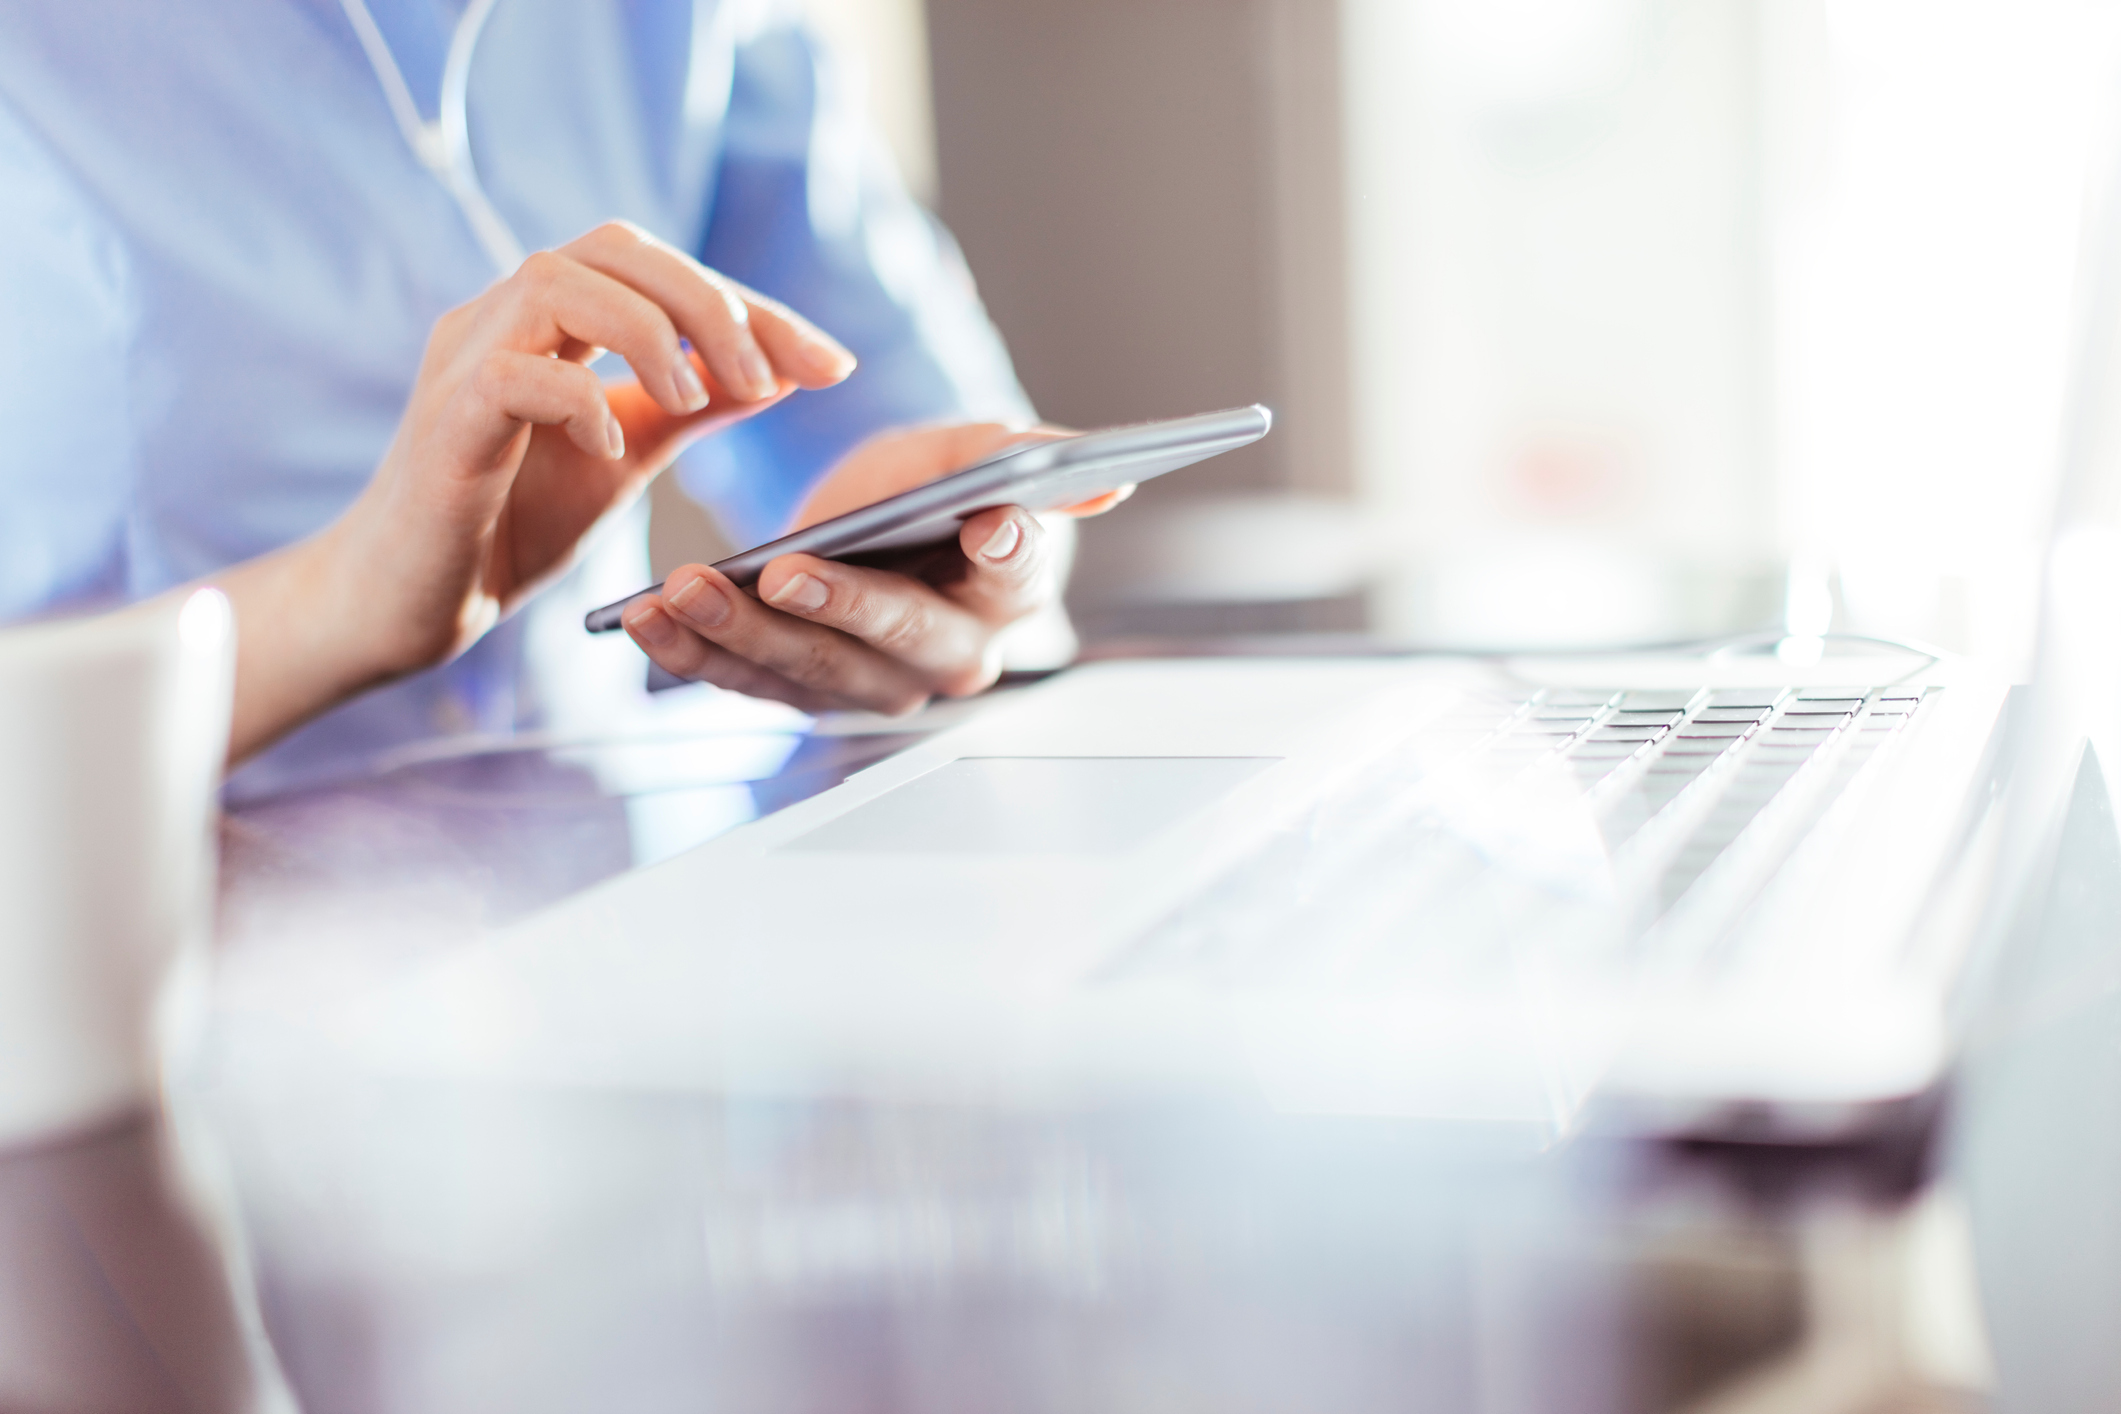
point(1668, 298)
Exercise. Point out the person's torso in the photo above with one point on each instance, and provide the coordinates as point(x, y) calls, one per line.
point(276, 256)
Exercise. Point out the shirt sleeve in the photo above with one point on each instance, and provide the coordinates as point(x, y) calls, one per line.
point(809, 208)
point(64, 391)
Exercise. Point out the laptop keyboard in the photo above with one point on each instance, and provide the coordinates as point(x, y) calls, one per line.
point(1639, 753)
point(1697, 795)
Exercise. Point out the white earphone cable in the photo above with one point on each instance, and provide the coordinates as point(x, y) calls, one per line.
point(443, 147)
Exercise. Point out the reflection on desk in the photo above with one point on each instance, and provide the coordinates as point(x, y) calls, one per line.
point(492, 832)
point(441, 1248)
point(113, 1293)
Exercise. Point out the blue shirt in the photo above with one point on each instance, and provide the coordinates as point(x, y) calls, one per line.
point(219, 262)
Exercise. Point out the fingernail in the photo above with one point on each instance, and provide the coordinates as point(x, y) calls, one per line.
point(691, 391)
point(831, 360)
point(804, 593)
point(757, 372)
point(701, 602)
point(614, 438)
point(648, 623)
point(1002, 544)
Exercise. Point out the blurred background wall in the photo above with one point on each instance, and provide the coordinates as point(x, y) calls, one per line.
point(1586, 321)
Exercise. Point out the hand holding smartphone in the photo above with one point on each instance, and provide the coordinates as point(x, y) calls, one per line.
point(1038, 476)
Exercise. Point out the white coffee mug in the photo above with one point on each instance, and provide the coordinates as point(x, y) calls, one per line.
point(113, 732)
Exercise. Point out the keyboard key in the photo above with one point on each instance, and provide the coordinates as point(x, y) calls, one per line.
point(1732, 714)
point(1718, 731)
point(1646, 719)
point(1628, 733)
point(1579, 697)
point(1680, 762)
point(1762, 697)
point(1746, 807)
point(1805, 713)
point(1653, 701)
point(1832, 694)
point(1681, 878)
point(1636, 807)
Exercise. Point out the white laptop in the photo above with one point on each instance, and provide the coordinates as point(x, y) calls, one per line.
point(1700, 894)
point(1388, 886)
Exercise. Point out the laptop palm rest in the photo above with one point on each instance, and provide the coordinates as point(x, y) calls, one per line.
point(1081, 805)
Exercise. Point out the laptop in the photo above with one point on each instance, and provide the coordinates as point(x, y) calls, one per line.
point(1740, 892)
point(1706, 897)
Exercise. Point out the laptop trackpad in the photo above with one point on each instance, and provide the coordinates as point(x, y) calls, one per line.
point(1035, 805)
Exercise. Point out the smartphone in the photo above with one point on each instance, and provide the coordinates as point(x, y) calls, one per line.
point(1039, 476)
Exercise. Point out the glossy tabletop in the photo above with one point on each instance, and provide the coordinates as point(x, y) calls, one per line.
point(409, 1242)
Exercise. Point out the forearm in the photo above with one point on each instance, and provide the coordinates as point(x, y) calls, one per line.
point(299, 650)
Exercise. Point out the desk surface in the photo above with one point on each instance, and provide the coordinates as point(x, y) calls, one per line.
point(418, 1245)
